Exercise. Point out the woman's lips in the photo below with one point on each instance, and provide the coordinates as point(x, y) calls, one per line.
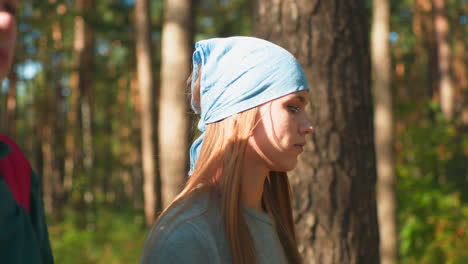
point(299, 147)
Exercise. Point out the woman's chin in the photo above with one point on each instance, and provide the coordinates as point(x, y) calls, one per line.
point(286, 167)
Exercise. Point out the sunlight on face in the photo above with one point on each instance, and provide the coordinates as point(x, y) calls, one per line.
point(279, 137)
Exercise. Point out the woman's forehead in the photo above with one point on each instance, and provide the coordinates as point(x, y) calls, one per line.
point(302, 96)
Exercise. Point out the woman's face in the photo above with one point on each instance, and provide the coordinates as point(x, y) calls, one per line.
point(8, 34)
point(279, 137)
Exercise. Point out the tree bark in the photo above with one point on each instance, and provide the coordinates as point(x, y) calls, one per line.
point(47, 106)
point(383, 123)
point(461, 78)
point(151, 186)
point(49, 172)
point(173, 119)
point(444, 82)
point(134, 146)
point(424, 50)
point(334, 182)
point(59, 121)
point(84, 63)
point(83, 46)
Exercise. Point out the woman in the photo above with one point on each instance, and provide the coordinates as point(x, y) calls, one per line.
point(236, 208)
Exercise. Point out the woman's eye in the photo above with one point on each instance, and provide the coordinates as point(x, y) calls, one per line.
point(294, 109)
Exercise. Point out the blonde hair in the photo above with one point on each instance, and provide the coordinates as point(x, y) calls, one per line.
point(218, 170)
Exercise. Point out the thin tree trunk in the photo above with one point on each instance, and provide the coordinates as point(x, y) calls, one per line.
point(46, 108)
point(111, 110)
point(47, 172)
point(129, 136)
point(59, 120)
point(148, 109)
point(51, 177)
point(84, 63)
point(70, 141)
point(125, 131)
point(461, 78)
point(383, 122)
point(135, 145)
point(334, 182)
point(173, 119)
point(58, 141)
point(84, 53)
point(418, 91)
point(441, 30)
point(424, 86)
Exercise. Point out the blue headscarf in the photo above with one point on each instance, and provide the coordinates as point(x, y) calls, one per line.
point(237, 74)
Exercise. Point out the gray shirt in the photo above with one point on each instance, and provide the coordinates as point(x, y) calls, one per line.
point(196, 235)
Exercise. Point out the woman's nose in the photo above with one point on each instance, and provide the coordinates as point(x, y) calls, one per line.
point(306, 128)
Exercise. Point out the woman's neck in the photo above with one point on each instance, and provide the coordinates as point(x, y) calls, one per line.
point(254, 173)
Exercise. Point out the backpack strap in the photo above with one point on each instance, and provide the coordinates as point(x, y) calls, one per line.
point(16, 171)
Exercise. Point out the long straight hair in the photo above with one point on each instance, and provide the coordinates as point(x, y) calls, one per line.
point(218, 170)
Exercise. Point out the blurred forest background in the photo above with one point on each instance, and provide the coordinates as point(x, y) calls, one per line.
point(88, 116)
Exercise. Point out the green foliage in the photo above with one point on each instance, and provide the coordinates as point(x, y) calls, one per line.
point(432, 184)
point(223, 18)
point(115, 236)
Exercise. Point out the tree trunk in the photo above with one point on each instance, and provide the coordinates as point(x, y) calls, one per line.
point(423, 85)
point(444, 82)
point(173, 119)
point(461, 78)
point(84, 53)
point(134, 146)
point(70, 140)
point(383, 122)
point(84, 63)
point(113, 107)
point(49, 172)
point(148, 109)
point(60, 118)
point(46, 107)
point(334, 182)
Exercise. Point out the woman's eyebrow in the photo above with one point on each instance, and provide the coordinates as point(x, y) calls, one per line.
point(301, 98)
